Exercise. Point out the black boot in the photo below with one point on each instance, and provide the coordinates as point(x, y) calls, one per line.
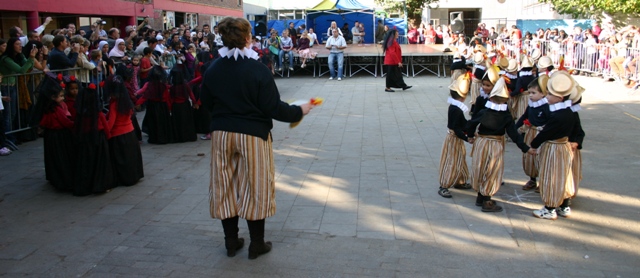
point(479, 200)
point(258, 246)
point(231, 240)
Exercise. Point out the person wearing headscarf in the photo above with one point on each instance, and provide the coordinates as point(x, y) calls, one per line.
point(117, 54)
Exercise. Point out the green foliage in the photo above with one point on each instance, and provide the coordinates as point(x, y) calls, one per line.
point(588, 8)
point(414, 7)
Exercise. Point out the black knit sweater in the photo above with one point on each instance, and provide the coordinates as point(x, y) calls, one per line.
point(242, 97)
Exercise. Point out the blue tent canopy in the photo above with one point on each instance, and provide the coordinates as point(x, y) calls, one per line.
point(345, 11)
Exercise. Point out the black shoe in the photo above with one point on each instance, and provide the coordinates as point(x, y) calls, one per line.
point(462, 186)
point(406, 88)
point(257, 249)
point(389, 90)
point(444, 192)
point(233, 245)
point(491, 206)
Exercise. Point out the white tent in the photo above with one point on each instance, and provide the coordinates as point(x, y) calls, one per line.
point(292, 4)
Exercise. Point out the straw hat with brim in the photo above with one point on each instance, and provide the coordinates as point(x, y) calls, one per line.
point(576, 93)
point(480, 48)
point(478, 58)
point(461, 85)
point(536, 54)
point(543, 81)
point(544, 62)
point(513, 65)
point(492, 72)
point(503, 62)
point(500, 89)
point(560, 84)
point(526, 62)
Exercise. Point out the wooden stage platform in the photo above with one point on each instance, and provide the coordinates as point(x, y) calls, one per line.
point(370, 58)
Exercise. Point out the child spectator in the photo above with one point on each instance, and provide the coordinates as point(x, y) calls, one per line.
point(204, 44)
point(124, 146)
point(93, 172)
point(145, 65)
point(303, 49)
point(96, 61)
point(3, 148)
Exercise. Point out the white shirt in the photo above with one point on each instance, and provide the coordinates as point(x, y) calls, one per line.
point(334, 43)
point(355, 31)
point(24, 40)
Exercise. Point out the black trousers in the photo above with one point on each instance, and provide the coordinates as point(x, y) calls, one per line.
point(394, 77)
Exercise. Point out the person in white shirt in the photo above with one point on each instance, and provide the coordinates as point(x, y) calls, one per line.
point(16, 32)
point(313, 37)
point(336, 44)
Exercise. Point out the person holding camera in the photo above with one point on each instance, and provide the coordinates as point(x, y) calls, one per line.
point(336, 44)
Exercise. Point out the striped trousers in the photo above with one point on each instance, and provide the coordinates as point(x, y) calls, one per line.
point(242, 177)
point(530, 162)
point(556, 178)
point(576, 171)
point(453, 166)
point(476, 85)
point(488, 164)
point(518, 105)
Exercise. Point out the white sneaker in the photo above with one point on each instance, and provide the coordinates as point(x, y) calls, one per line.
point(290, 68)
point(330, 78)
point(5, 151)
point(564, 211)
point(544, 213)
point(339, 79)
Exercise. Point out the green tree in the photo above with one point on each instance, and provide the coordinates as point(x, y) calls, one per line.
point(414, 7)
point(589, 8)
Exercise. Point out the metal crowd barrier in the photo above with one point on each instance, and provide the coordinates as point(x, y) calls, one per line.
point(18, 111)
point(590, 58)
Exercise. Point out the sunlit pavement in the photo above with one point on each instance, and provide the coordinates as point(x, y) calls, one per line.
point(357, 195)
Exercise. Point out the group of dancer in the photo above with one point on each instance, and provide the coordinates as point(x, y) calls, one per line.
point(85, 150)
point(533, 103)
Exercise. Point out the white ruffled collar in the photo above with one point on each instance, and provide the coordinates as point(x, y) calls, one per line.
point(576, 107)
point(538, 103)
point(483, 94)
point(511, 76)
point(458, 104)
point(457, 60)
point(235, 52)
point(480, 67)
point(526, 73)
point(496, 107)
point(559, 106)
point(502, 72)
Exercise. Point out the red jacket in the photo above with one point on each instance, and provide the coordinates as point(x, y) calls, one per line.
point(393, 55)
point(71, 106)
point(165, 96)
point(117, 123)
point(58, 119)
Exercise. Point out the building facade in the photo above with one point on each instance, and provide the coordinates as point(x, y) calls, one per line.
point(163, 14)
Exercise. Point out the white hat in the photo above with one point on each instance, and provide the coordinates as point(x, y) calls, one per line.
point(159, 37)
point(544, 62)
point(560, 84)
point(259, 37)
point(526, 62)
point(478, 58)
point(193, 34)
point(576, 92)
point(513, 65)
point(535, 54)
